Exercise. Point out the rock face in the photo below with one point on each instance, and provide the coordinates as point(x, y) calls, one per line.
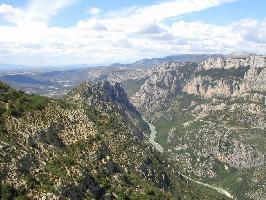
point(229, 77)
point(211, 118)
point(234, 62)
point(91, 144)
point(166, 81)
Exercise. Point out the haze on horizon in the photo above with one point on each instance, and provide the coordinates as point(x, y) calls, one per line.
point(63, 32)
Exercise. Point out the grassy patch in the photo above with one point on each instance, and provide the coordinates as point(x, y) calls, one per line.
point(132, 86)
point(56, 169)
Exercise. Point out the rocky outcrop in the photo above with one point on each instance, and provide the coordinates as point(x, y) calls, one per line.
point(207, 87)
point(164, 83)
point(255, 62)
point(229, 77)
point(240, 155)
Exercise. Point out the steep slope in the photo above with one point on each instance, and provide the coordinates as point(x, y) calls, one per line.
point(211, 119)
point(162, 86)
point(90, 145)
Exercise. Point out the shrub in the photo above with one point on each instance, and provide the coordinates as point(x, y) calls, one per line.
point(8, 192)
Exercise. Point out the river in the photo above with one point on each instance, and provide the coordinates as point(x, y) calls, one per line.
point(153, 136)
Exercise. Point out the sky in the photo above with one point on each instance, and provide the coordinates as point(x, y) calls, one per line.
point(66, 32)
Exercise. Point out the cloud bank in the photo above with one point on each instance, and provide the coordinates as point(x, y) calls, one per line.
point(120, 36)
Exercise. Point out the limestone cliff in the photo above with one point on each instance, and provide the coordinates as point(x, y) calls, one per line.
point(229, 77)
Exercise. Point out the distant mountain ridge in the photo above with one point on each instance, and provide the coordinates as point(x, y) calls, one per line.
point(59, 81)
point(149, 62)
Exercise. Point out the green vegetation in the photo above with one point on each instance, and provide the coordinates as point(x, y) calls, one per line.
point(18, 102)
point(25, 103)
point(237, 180)
point(258, 138)
point(175, 115)
point(206, 190)
point(150, 191)
point(56, 169)
point(8, 192)
point(105, 122)
point(163, 127)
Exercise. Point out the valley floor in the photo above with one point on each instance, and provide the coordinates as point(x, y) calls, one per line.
point(160, 149)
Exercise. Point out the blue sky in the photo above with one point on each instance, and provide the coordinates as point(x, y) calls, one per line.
point(223, 14)
point(78, 11)
point(48, 32)
point(228, 13)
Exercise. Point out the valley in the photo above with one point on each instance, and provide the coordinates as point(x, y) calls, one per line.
point(91, 144)
point(210, 118)
point(132, 100)
point(206, 119)
point(160, 149)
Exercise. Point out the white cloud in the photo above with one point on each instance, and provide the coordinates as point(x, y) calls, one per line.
point(10, 14)
point(252, 30)
point(121, 36)
point(94, 11)
point(43, 10)
point(37, 11)
point(169, 9)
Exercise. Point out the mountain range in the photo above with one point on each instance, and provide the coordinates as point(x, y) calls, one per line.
point(180, 127)
point(90, 144)
point(57, 81)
